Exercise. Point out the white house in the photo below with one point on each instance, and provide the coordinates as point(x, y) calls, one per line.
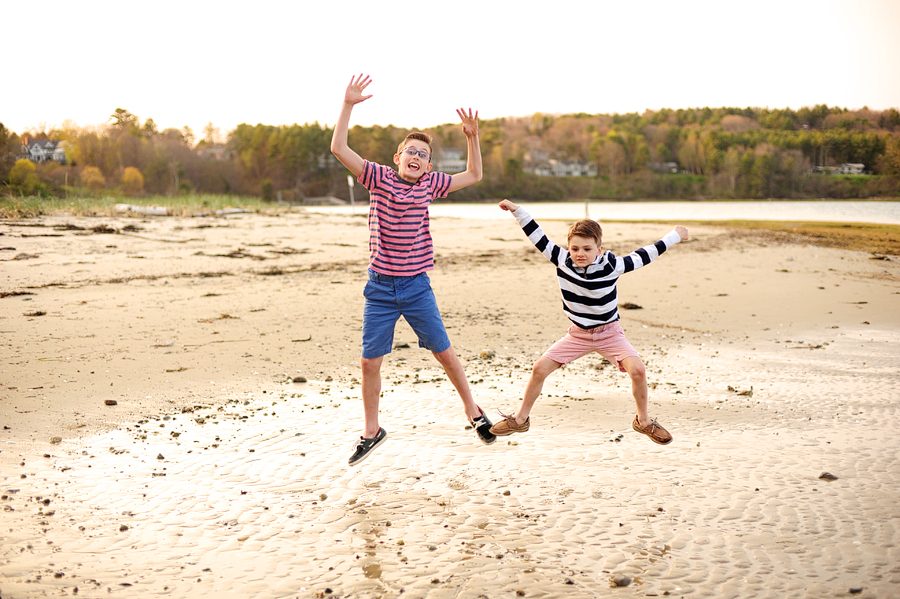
point(538, 162)
point(44, 151)
point(571, 168)
point(451, 160)
point(852, 168)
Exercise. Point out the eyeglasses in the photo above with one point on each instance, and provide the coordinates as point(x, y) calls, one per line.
point(414, 152)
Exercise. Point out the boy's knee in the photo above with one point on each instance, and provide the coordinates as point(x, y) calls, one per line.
point(543, 368)
point(635, 369)
point(370, 365)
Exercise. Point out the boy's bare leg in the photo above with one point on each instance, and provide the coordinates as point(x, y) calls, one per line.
point(457, 375)
point(371, 393)
point(539, 373)
point(634, 366)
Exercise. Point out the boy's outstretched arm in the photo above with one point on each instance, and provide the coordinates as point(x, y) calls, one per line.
point(339, 147)
point(682, 232)
point(473, 173)
point(508, 206)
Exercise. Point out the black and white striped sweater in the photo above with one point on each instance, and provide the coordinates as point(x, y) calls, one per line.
point(589, 294)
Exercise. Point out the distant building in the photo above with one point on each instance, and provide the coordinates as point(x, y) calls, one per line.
point(852, 168)
point(824, 170)
point(664, 167)
point(848, 168)
point(565, 168)
point(450, 160)
point(326, 161)
point(44, 151)
point(215, 152)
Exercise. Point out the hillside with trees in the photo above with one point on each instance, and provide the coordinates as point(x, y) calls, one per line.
point(698, 153)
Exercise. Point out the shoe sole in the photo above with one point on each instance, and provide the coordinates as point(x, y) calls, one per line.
point(508, 433)
point(483, 440)
point(371, 450)
point(649, 436)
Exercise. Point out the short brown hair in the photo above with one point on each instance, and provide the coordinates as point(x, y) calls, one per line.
point(419, 136)
point(587, 228)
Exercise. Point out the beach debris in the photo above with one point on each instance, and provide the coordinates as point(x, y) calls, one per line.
point(24, 256)
point(630, 306)
point(55, 440)
point(617, 438)
point(35, 313)
point(299, 379)
point(160, 456)
point(856, 590)
point(111, 402)
point(487, 354)
point(401, 345)
point(619, 580)
point(827, 476)
point(123, 528)
point(744, 393)
point(145, 210)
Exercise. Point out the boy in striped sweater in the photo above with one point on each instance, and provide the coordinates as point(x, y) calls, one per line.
point(587, 279)
point(400, 254)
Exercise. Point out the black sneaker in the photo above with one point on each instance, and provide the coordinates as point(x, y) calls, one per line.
point(365, 447)
point(482, 428)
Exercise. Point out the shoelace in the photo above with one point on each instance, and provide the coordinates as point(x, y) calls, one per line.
point(511, 418)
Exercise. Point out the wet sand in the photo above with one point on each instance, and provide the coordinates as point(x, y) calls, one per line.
point(230, 348)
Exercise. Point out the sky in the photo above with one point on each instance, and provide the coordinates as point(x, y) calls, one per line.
point(277, 63)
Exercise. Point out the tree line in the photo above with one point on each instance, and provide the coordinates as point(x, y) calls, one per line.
point(666, 154)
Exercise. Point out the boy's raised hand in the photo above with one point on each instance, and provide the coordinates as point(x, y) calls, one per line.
point(510, 207)
point(682, 232)
point(469, 121)
point(354, 94)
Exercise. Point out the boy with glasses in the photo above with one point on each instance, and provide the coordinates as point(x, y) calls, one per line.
point(400, 254)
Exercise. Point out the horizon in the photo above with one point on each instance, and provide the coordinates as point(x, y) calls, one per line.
point(45, 129)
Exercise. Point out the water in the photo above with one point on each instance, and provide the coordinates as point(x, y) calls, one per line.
point(887, 212)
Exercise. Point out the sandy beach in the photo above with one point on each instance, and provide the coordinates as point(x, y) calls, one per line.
point(180, 397)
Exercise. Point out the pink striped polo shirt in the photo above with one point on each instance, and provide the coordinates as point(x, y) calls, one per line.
point(399, 234)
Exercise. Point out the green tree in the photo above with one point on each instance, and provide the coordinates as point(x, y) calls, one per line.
point(150, 129)
point(889, 162)
point(9, 143)
point(123, 120)
point(23, 178)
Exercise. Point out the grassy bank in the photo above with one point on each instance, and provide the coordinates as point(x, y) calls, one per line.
point(877, 239)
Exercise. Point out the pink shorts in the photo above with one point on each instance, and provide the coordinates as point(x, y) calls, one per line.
point(608, 340)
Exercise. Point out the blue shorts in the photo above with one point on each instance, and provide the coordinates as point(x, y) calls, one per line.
point(387, 299)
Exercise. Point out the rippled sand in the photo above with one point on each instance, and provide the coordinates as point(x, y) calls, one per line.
point(232, 480)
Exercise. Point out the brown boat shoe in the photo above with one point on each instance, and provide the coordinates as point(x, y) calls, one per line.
point(654, 430)
point(508, 425)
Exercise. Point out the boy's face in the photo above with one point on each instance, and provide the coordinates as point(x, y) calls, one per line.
point(583, 250)
point(410, 165)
